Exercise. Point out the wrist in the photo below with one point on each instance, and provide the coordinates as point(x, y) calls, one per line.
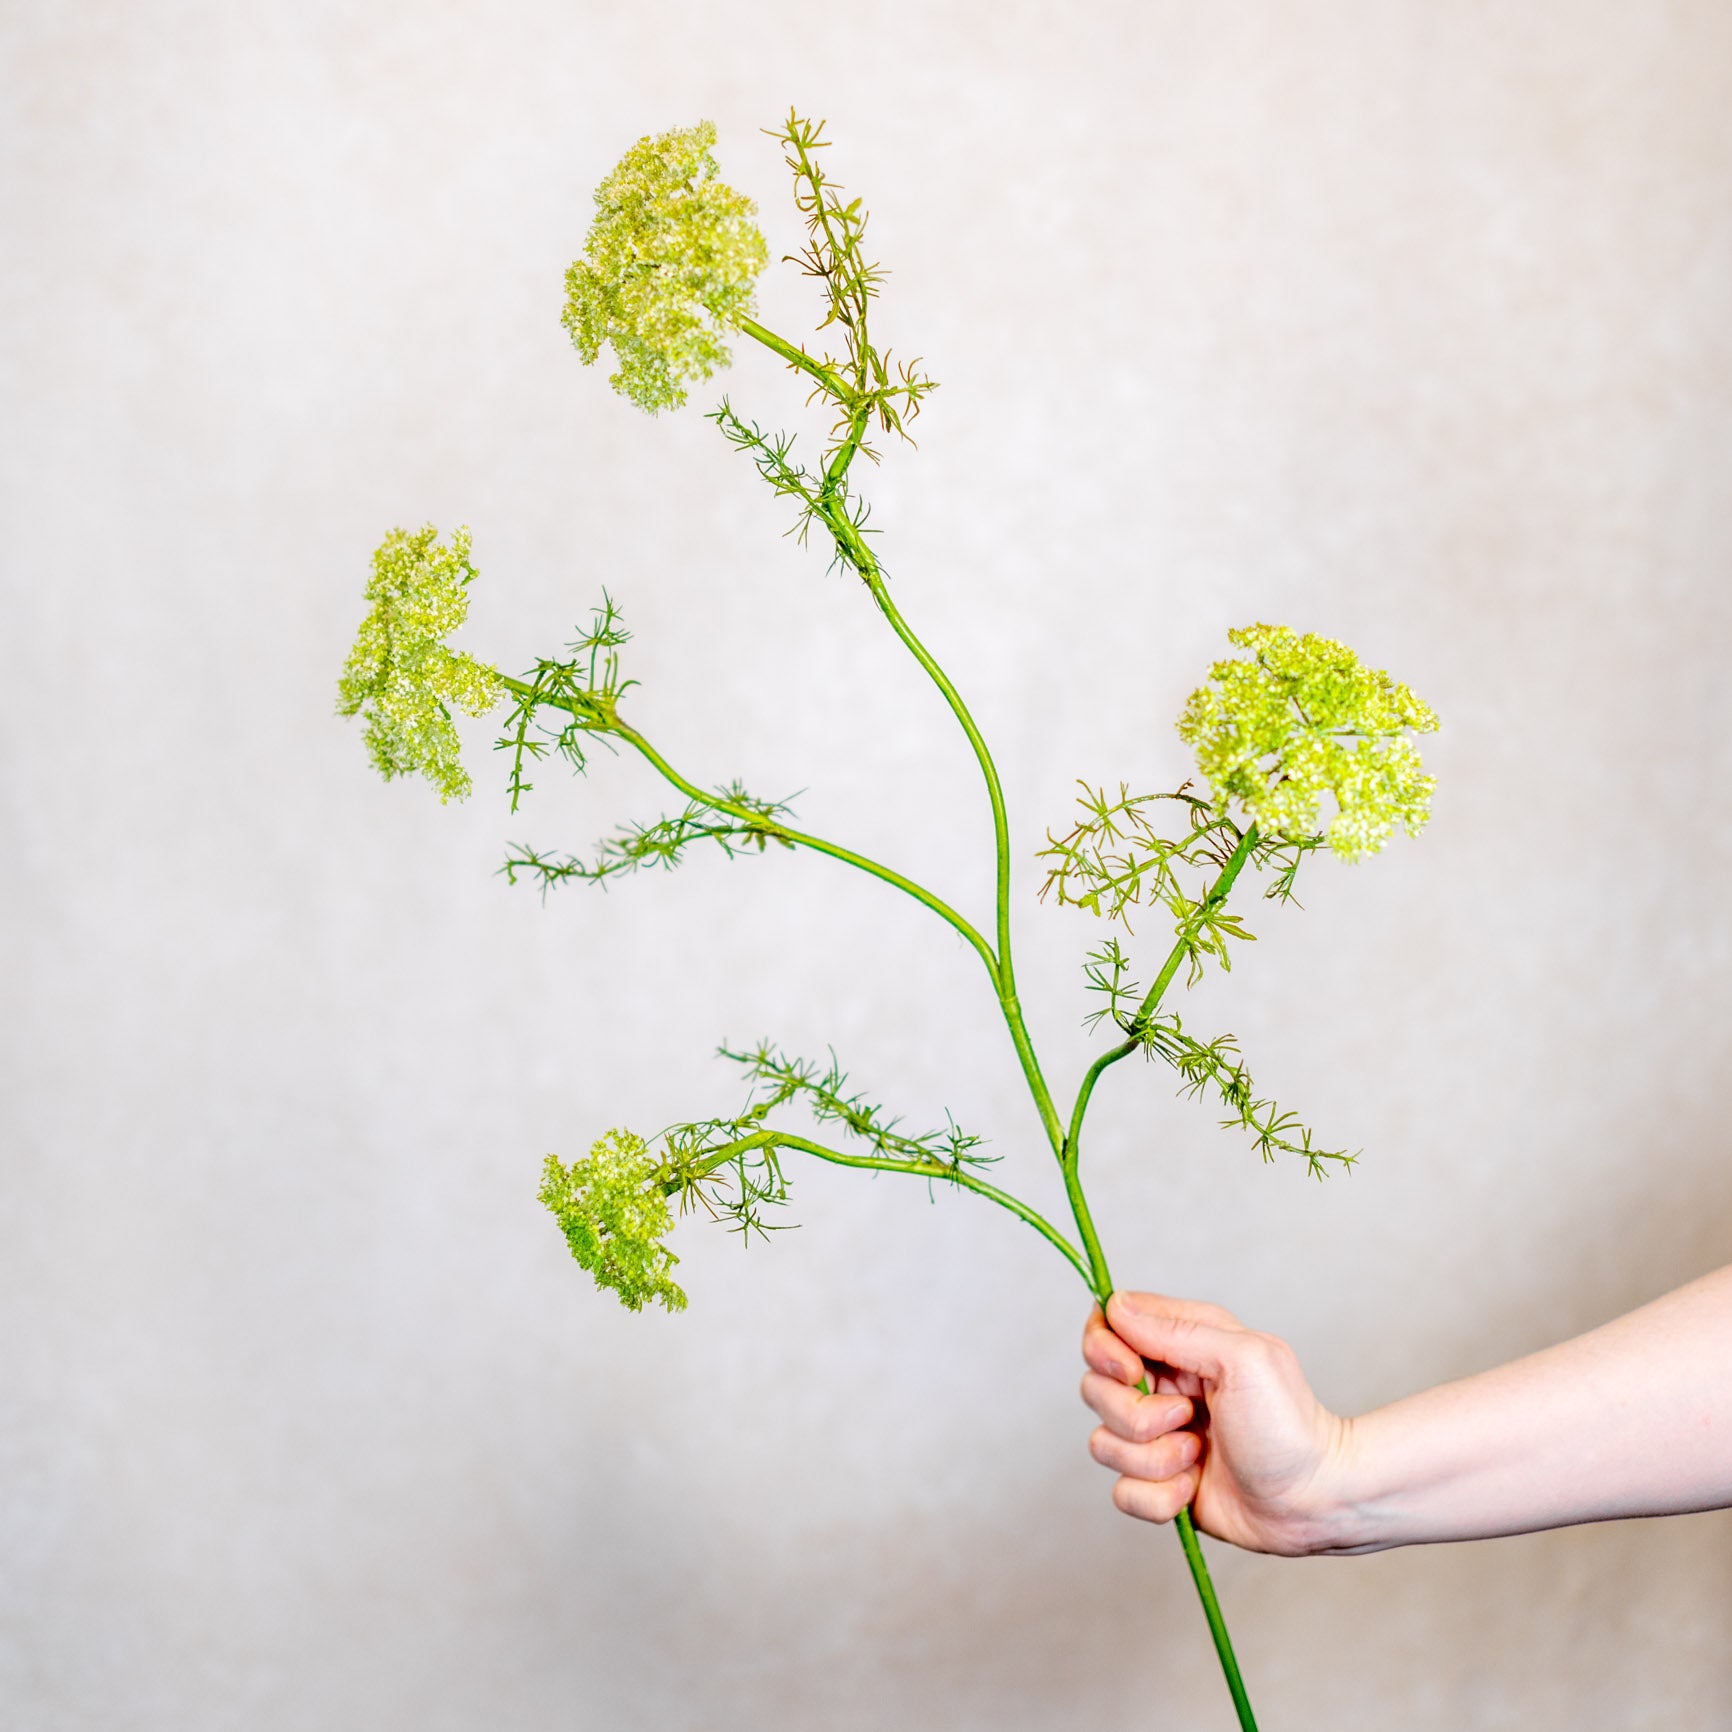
point(1335, 1513)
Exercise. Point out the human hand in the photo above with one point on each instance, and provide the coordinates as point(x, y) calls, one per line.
point(1229, 1426)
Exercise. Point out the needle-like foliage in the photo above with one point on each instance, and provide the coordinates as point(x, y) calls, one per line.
point(663, 843)
point(1114, 859)
point(1216, 1066)
point(582, 688)
point(835, 256)
point(732, 1168)
point(823, 499)
point(777, 1079)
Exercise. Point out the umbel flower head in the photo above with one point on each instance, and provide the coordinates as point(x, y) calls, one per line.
point(1304, 717)
point(400, 671)
point(668, 266)
point(614, 1215)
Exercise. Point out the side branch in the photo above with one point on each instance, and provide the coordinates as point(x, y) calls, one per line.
point(604, 719)
point(1216, 895)
point(935, 1170)
point(800, 839)
point(797, 357)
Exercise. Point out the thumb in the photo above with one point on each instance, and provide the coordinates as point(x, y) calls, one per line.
point(1182, 1333)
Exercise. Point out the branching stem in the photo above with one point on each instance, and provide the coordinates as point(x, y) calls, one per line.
point(1005, 973)
point(831, 507)
point(795, 356)
point(1070, 1158)
point(775, 829)
point(939, 1171)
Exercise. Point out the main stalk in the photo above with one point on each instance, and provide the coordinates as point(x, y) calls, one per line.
point(829, 504)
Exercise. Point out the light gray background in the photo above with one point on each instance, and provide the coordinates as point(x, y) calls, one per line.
point(1402, 321)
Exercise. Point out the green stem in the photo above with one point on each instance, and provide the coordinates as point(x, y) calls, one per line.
point(1205, 1587)
point(935, 1170)
point(1005, 974)
point(938, 1170)
point(1100, 1278)
point(831, 506)
point(1217, 894)
point(817, 844)
point(770, 826)
point(795, 356)
point(836, 470)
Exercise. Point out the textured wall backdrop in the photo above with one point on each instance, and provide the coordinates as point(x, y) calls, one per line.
point(1404, 321)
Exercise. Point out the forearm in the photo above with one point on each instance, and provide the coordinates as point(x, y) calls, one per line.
point(1631, 1419)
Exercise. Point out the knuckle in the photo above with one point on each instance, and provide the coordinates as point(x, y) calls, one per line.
point(1259, 1352)
point(1130, 1495)
point(1186, 1448)
point(1100, 1394)
point(1150, 1418)
point(1147, 1502)
point(1270, 1353)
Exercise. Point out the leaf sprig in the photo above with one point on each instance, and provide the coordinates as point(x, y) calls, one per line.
point(1114, 859)
point(1216, 1066)
point(834, 255)
point(583, 687)
point(824, 499)
point(731, 1167)
point(663, 843)
point(779, 1079)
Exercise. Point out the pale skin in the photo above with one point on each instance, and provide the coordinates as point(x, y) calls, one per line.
point(1632, 1419)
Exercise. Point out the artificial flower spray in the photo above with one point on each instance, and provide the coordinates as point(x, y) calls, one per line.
point(1300, 746)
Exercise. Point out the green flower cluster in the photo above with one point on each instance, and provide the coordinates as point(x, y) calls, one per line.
point(615, 1214)
point(1304, 717)
point(400, 672)
point(668, 265)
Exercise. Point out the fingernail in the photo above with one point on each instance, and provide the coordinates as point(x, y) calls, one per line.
point(1133, 1303)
